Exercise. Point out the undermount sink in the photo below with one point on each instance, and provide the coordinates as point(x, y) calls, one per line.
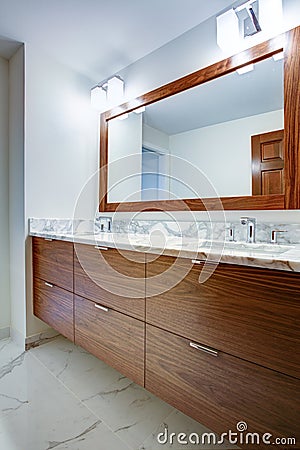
point(177, 243)
point(257, 247)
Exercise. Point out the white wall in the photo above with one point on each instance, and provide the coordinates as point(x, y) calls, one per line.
point(4, 208)
point(61, 148)
point(61, 138)
point(222, 152)
point(16, 196)
point(155, 139)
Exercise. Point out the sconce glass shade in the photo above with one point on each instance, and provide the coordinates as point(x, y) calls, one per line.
point(278, 56)
point(245, 69)
point(115, 91)
point(228, 34)
point(229, 25)
point(98, 98)
point(140, 110)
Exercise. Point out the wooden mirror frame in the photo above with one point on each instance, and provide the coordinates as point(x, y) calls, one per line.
point(288, 42)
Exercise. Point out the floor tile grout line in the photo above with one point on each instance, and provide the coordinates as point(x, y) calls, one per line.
point(78, 398)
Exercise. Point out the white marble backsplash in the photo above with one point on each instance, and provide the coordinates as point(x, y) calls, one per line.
point(195, 229)
point(211, 230)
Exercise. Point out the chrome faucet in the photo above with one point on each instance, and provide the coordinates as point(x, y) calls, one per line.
point(251, 228)
point(274, 234)
point(105, 223)
point(230, 233)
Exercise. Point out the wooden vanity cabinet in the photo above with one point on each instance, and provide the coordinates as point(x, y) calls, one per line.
point(94, 310)
point(226, 350)
point(104, 275)
point(108, 323)
point(53, 284)
point(115, 338)
point(220, 390)
point(223, 351)
point(53, 261)
point(248, 312)
point(54, 306)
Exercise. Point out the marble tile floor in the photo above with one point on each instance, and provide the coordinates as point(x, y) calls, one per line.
point(58, 396)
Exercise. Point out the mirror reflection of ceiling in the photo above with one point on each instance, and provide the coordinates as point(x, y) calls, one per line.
point(224, 99)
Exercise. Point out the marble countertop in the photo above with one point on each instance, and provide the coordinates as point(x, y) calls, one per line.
point(270, 256)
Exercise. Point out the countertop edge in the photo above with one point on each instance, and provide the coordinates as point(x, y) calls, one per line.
point(284, 262)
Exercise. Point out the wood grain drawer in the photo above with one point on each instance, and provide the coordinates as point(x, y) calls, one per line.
point(244, 311)
point(111, 336)
point(54, 306)
point(113, 278)
point(53, 262)
point(220, 391)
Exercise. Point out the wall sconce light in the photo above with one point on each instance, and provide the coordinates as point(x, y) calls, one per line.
point(98, 98)
point(123, 116)
point(247, 14)
point(237, 27)
point(115, 91)
point(245, 69)
point(108, 94)
point(139, 110)
point(278, 56)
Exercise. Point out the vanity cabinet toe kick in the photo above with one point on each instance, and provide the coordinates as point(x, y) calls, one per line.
point(221, 352)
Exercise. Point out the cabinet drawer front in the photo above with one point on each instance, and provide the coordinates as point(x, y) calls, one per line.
point(53, 262)
point(113, 337)
point(220, 391)
point(54, 306)
point(247, 312)
point(109, 277)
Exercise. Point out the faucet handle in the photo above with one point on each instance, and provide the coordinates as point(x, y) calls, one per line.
point(245, 219)
point(230, 234)
point(274, 234)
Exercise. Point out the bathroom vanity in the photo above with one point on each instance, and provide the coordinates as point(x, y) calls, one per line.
point(222, 351)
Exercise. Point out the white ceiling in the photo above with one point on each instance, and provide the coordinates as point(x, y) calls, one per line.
point(97, 37)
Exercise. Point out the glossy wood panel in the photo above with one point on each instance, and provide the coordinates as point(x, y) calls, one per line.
point(291, 197)
point(252, 55)
point(115, 278)
point(220, 391)
point(54, 306)
point(292, 119)
point(248, 312)
point(111, 336)
point(265, 202)
point(53, 261)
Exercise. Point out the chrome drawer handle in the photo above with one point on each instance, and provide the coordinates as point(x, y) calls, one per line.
point(206, 262)
point(49, 284)
point(48, 239)
point(202, 348)
point(103, 308)
point(99, 247)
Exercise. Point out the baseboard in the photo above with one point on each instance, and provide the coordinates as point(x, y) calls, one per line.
point(4, 333)
point(40, 338)
point(17, 337)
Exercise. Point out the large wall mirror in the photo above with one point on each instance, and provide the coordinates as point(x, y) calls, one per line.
point(229, 131)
